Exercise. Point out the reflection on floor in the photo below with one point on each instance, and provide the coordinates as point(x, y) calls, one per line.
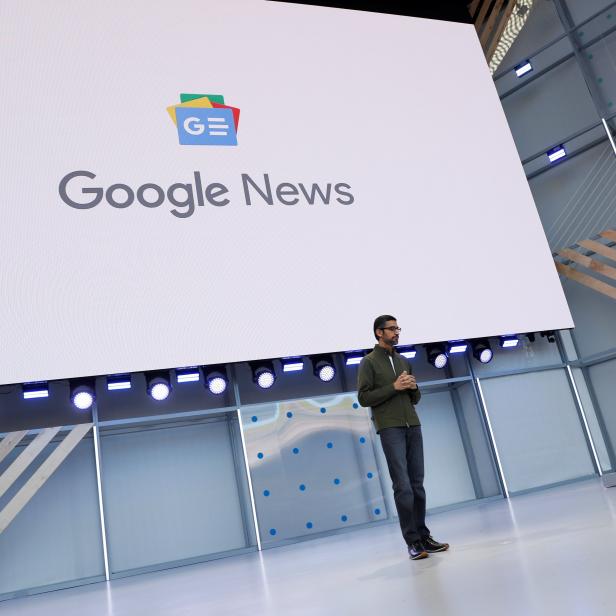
point(547, 553)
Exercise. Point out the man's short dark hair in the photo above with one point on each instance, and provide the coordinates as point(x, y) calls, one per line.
point(379, 322)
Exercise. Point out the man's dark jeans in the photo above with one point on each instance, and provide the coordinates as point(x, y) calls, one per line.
point(403, 449)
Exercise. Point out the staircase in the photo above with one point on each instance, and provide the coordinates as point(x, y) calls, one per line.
point(591, 262)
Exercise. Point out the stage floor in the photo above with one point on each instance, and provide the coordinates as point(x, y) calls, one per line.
point(551, 552)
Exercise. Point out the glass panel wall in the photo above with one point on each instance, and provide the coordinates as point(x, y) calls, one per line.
point(55, 540)
point(171, 493)
point(602, 376)
point(313, 466)
point(317, 464)
point(537, 429)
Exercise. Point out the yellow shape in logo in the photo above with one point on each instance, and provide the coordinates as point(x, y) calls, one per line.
point(197, 102)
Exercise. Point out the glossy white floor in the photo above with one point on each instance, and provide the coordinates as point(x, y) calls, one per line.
point(549, 552)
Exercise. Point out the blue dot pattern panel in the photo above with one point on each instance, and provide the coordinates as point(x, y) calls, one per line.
point(318, 469)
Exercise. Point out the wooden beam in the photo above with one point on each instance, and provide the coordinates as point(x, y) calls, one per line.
point(585, 279)
point(9, 442)
point(501, 27)
point(485, 35)
point(42, 474)
point(599, 248)
point(25, 458)
point(482, 15)
point(589, 262)
point(609, 234)
point(473, 7)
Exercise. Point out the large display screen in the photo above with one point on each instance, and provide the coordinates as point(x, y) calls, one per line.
point(203, 182)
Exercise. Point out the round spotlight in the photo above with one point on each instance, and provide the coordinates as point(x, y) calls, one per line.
point(485, 356)
point(263, 373)
point(217, 385)
point(160, 391)
point(215, 378)
point(482, 351)
point(436, 355)
point(326, 373)
point(159, 385)
point(265, 378)
point(82, 394)
point(440, 361)
point(83, 400)
point(323, 367)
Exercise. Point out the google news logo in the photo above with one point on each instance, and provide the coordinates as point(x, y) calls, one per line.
point(204, 119)
point(201, 119)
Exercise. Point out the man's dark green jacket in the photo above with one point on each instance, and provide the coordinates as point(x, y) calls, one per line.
point(375, 388)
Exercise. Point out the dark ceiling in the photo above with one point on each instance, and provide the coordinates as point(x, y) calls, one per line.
point(450, 10)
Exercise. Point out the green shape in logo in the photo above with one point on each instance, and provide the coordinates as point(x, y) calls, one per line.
point(216, 98)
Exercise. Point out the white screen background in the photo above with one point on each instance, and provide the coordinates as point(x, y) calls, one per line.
point(443, 232)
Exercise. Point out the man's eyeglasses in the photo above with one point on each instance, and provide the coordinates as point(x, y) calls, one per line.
point(393, 328)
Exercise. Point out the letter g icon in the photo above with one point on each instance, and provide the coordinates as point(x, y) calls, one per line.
point(193, 127)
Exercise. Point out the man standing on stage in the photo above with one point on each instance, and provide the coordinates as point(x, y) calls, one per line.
point(387, 385)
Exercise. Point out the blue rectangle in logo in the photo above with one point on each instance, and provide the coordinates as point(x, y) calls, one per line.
point(205, 126)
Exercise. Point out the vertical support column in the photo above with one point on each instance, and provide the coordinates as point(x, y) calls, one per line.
point(248, 476)
point(464, 435)
point(589, 440)
point(484, 406)
point(481, 404)
point(578, 405)
point(238, 465)
point(609, 135)
point(99, 485)
point(595, 403)
point(253, 505)
point(598, 413)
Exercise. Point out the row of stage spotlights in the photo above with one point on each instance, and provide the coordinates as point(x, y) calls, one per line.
point(437, 354)
point(159, 386)
point(158, 383)
point(264, 375)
